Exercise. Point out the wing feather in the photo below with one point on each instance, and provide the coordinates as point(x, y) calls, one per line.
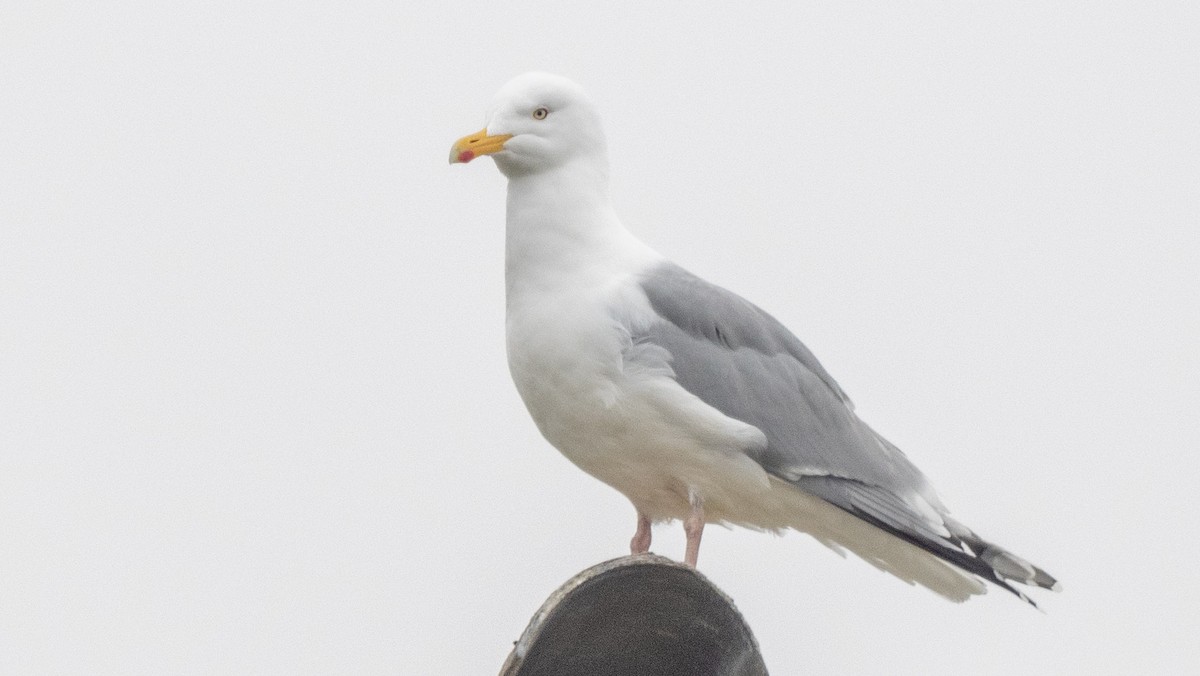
point(741, 361)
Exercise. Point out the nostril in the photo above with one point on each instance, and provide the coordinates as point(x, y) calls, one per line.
point(473, 141)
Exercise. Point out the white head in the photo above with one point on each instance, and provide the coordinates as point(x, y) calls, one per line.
point(538, 122)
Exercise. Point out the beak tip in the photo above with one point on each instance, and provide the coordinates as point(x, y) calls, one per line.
point(460, 156)
point(477, 145)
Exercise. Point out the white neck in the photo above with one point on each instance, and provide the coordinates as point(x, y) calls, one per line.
point(562, 230)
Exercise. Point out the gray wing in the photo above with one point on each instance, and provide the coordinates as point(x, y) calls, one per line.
point(741, 361)
point(738, 359)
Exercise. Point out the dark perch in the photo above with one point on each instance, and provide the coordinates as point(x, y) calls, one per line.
point(643, 615)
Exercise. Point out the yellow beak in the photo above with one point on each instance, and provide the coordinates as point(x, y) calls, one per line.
point(468, 148)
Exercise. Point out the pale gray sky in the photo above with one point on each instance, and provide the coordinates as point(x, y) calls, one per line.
point(255, 416)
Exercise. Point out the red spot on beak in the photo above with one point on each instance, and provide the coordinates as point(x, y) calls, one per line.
point(466, 156)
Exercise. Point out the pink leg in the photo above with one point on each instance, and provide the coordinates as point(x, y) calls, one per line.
point(640, 544)
point(693, 526)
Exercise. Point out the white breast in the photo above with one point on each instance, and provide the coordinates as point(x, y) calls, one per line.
point(574, 301)
point(638, 431)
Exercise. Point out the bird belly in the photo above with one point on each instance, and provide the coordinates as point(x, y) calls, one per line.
point(640, 433)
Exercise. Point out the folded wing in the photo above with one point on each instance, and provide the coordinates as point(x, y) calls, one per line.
point(741, 361)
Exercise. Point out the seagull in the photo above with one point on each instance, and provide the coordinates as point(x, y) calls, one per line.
point(688, 399)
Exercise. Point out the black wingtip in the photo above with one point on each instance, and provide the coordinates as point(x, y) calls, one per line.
point(968, 562)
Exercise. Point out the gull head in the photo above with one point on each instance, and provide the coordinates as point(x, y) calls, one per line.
point(538, 122)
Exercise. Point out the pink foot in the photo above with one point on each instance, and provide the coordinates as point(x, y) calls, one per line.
point(640, 544)
point(693, 526)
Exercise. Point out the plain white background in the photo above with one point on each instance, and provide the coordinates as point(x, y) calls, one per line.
point(255, 416)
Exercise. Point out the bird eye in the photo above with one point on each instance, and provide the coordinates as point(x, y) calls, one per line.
point(541, 113)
